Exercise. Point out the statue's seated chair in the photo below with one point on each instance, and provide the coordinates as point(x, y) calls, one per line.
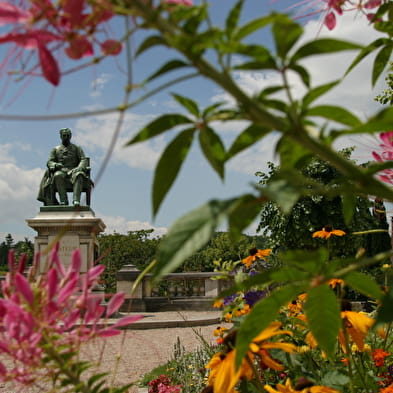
point(47, 192)
point(87, 184)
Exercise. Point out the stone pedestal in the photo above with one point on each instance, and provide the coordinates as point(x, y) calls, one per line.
point(72, 227)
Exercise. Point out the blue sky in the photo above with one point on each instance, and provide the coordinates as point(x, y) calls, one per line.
point(122, 195)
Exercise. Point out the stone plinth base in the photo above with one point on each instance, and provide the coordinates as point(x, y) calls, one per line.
point(72, 227)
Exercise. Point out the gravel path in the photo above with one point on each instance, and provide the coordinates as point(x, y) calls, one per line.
point(139, 351)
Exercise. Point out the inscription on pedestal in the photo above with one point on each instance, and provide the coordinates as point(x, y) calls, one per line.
point(68, 244)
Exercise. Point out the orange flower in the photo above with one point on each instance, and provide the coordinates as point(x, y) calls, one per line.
point(333, 282)
point(379, 356)
point(328, 231)
point(287, 388)
point(218, 303)
point(243, 311)
point(388, 389)
point(357, 326)
point(256, 254)
point(223, 373)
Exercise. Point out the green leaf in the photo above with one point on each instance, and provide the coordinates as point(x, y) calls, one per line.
point(385, 310)
point(213, 149)
point(187, 103)
point(323, 46)
point(292, 154)
point(286, 33)
point(167, 67)
point(247, 138)
point(366, 51)
point(306, 260)
point(188, 234)
point(158, 126)
point(262, 313)
point(323, 317)
point(382, 121)
point(258, 52)
point(246, 209)
point(303, 73)
point(380, 62)
point(335, 379)
point(233, 18)
point(335, 113)
point(149, 42)
point(317, 92)
point(364, 284)
point(195, 20)
point(252, 26)
point(349, 205)
point(207, 112)
point(256, 65)
point(169, 165)
point(283, 193)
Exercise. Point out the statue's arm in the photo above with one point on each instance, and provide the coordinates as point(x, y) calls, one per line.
point(83, 161)
point(52, 163)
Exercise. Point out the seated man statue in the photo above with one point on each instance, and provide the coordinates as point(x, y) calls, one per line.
point(67, 169)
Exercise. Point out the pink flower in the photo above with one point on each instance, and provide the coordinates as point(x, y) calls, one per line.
point(385, 153)
point(187, 3)
point(73, 26)
point(331, 8)
point(56, 311)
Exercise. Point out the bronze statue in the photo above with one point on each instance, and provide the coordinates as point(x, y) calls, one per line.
point(68, 170)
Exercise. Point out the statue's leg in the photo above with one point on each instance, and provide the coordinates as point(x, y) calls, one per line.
point(77, 187)
point(60, 179)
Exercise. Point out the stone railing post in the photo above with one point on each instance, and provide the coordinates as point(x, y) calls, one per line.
point(125, 278)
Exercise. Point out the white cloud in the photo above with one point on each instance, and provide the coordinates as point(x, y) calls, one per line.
point(5, 155)
point(98, 85)
point(122, 225)
point(96, 134)
point(355, 93)
point(21, 187)
point(255, 158)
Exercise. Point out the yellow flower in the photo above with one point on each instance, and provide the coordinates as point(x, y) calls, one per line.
point(219, 331)
point(223, 374)
point(260, 346)
point(303, 349)
point(218, 303)
point(328, 231)
point(255, 254)
point(287, 388)
point(243, 311)
point(333, 282)
point(357, 325)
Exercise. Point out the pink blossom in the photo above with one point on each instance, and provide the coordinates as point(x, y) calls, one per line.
point(10, 13)
point(187, 3)
point(330, 9)
point(385, 153)
point(115, 303)
point(56, 311)
point(75, 26)
point(330, 20)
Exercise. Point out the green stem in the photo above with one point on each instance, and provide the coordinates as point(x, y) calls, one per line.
point(258, 380)
point(64, 368)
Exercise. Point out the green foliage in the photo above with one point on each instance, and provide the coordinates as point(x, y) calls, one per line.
point(386, 96)
point(185, 368)
point(137, 248)
point(314, 211)
point(221, 248)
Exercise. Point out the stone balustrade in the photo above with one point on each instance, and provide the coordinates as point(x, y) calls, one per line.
point(175, 292)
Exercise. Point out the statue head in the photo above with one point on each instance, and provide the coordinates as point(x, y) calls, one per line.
point(65, 135)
